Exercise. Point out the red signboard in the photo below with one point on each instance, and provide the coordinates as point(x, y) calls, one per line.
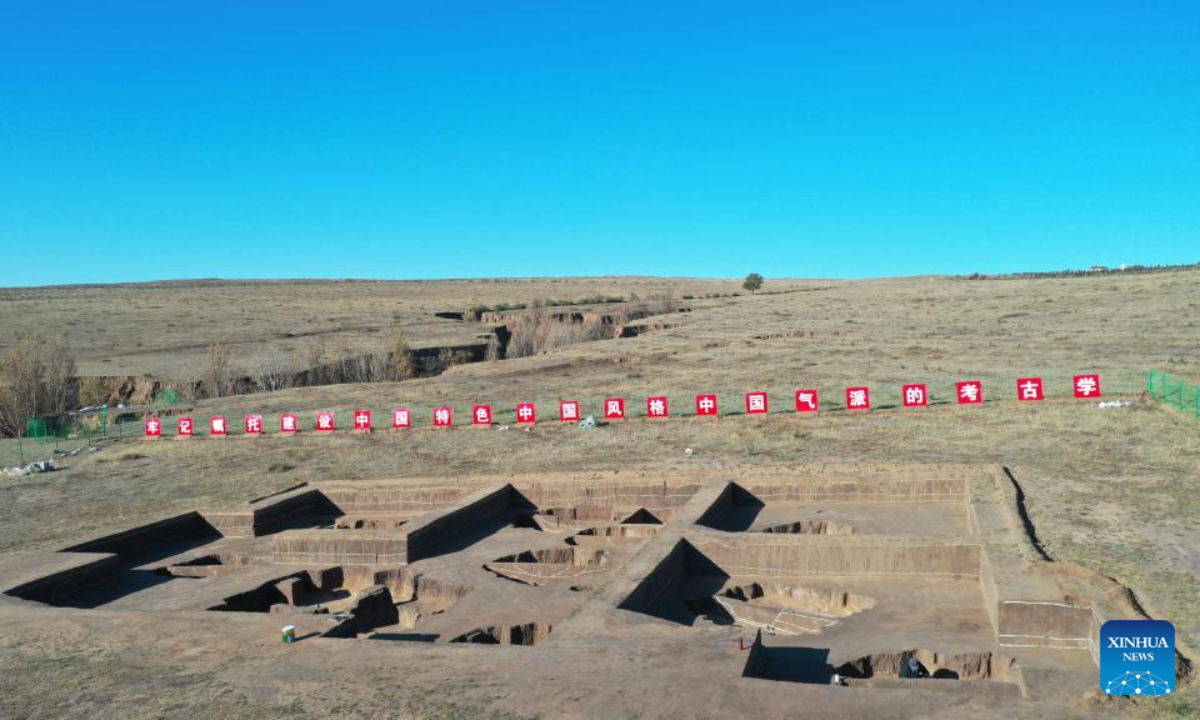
point(1087, 386)
point(656, 407)
point(706, 404)
point(217, 427)
point(401, 418)
point(153, 427)
point(326, 421)
point(614, 409)
point(526, 413)
point(253, 424)
point(970, 392)
point(185, 427)
point(858, 398)
point(1030, 389)
point(362, 420)
point(915, 395)
point(443, 417)
point(568, 410)
point(756, 403)
point(807, 401)
point(289, 423)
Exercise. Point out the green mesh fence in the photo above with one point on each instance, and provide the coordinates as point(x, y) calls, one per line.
point(1179, 394)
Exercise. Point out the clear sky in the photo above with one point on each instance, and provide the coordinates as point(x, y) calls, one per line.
point(418, 139)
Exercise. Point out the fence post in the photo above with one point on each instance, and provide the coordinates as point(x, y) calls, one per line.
point(1150, 383)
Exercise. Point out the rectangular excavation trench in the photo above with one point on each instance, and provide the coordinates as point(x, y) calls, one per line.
point(121, 566)
point(922, 508)
point(909, 669)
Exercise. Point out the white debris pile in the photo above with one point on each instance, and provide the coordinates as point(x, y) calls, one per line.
point(32, 468)
point(1109, 404)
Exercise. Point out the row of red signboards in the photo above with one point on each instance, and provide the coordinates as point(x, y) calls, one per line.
point(968, 392)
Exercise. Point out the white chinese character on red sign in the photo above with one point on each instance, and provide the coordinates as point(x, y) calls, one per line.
point(1030, 388)
point(362, 419)
point(807, 401)
point(1087, 386)
point(288, 423)
point(325, 421)
point(915, 396)
point(526, 413)
point(443, 417)
point(706, 404)
point(970, 392)
point(253, 424)
point(216, 426)
point(185, 426)
point(756, 403)
point(656, 406)
point(482, 415)
point(568, 410)
point(858, 398)
point(614, 408)
point(401, 418)
point(153, 427)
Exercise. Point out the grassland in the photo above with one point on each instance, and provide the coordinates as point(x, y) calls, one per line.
point(160, 330)
point(1111, 489)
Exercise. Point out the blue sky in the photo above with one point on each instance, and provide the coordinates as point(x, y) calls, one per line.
point(418, 139)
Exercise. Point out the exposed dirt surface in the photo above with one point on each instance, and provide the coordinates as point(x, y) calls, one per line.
point(805, 612)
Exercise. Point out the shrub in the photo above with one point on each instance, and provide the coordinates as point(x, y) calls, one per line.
point(403, 360)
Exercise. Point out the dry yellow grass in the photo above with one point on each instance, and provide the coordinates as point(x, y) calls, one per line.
point(162, 329)
point(1113, 489)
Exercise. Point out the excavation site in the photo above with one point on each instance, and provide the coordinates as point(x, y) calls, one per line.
point(841, 581)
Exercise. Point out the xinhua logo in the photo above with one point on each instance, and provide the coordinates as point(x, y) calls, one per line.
point(1137, 657)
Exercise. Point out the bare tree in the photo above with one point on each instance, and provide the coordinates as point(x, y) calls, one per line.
point(316, 362)
point(218, 369)
point(271, 370)
point(62, 389)
point(36, 378)
point(342, 362)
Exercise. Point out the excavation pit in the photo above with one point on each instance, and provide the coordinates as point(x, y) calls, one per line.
point(540, 567)
point(808, 527)
point(204, 566)
point(935, 665)
point(614, 535)
point(300, 593)
point(789, 609)
point(911, 669)
point(837, 573)
point(898, 508)
point(369, 522)
point(526, 634)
